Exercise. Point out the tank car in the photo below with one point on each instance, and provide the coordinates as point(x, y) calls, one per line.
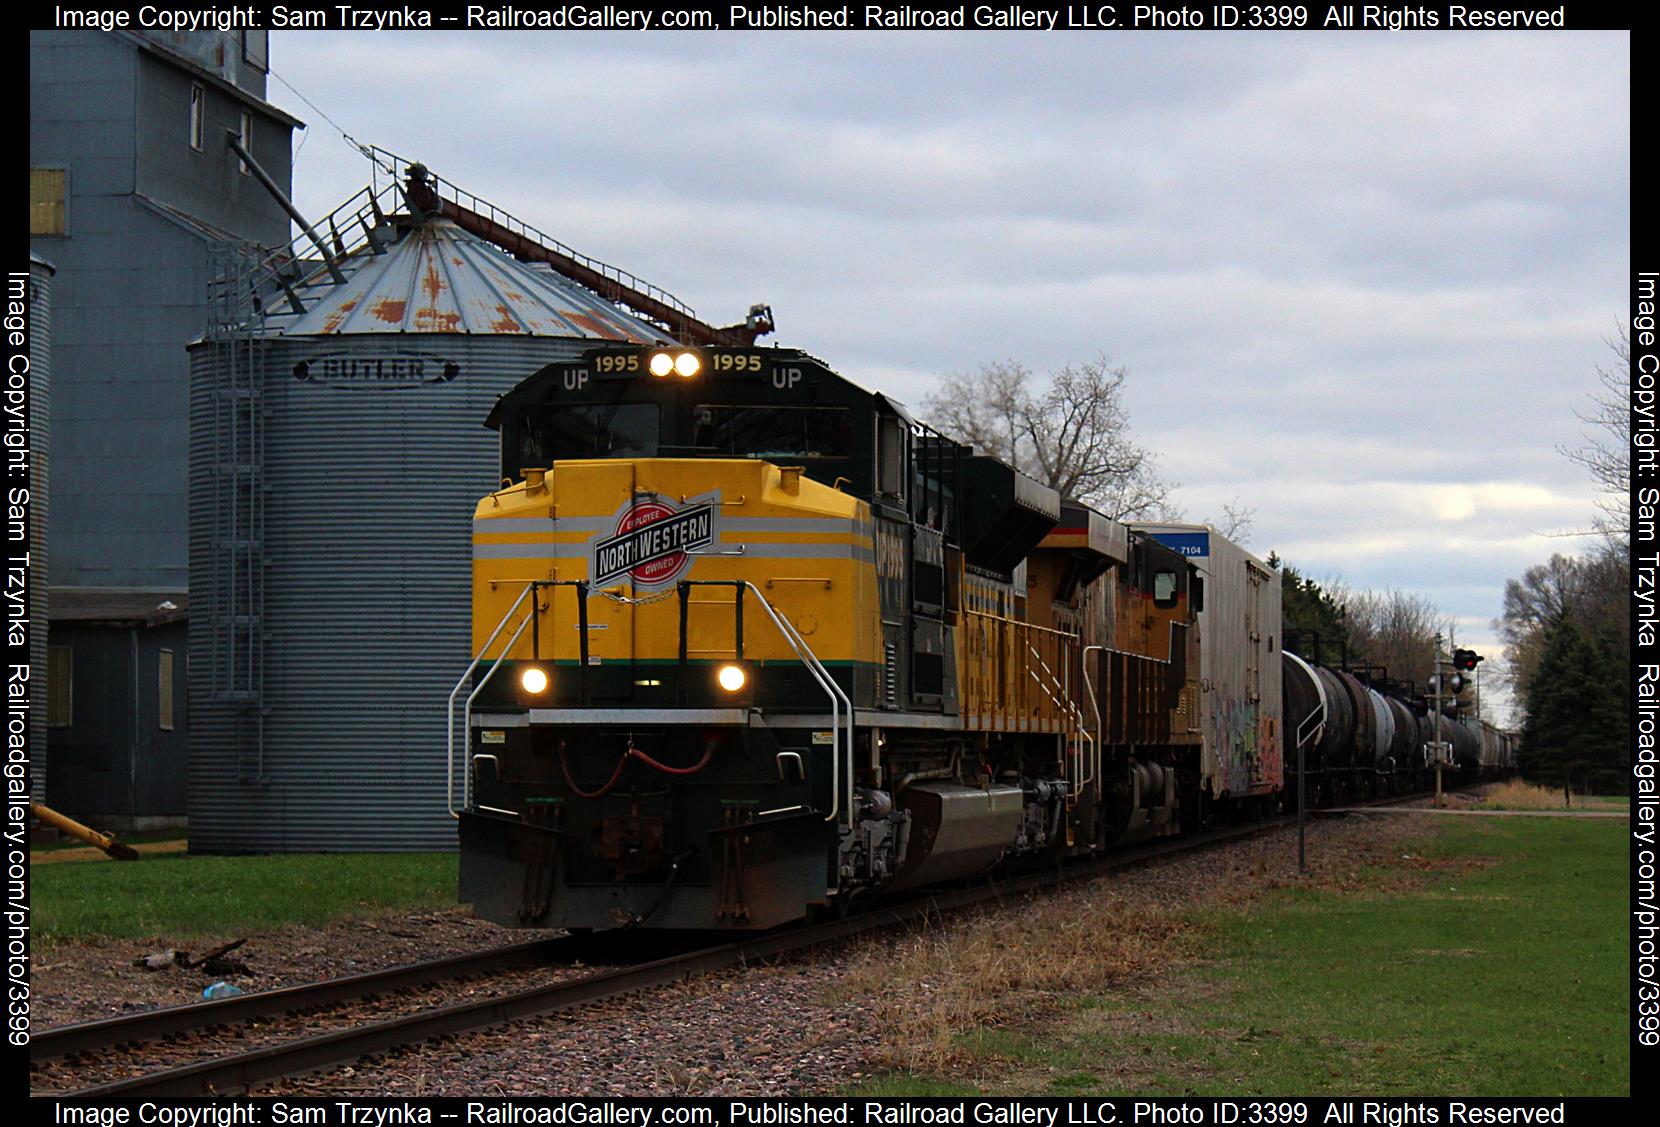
point(1392, 748)
point(751, 642)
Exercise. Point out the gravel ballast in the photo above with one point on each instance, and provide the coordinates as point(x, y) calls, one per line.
point(814, 1024)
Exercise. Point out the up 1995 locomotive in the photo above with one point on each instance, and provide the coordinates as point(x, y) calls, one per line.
point(753, 642)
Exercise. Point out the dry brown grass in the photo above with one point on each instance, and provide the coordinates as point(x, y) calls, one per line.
point(1517, 795)
point(984, 972)
point(1015, 966)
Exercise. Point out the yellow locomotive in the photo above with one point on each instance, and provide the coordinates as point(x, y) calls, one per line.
point(753, 642)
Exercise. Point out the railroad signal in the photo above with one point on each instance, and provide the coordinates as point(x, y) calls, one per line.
point(1450, 684)
point(1466, 660)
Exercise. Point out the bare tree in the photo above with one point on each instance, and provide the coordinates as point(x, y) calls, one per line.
point(1607, 450)
point(1591, 590)
point(1394, 629)
point(1072, 433)
point(1236, 522)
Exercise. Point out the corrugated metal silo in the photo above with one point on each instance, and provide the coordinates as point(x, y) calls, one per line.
point(336, 455)
point(40, 444)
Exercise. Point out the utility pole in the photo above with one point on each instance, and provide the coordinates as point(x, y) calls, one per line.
point(1435, 718)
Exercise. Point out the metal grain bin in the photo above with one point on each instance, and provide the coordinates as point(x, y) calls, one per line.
point(336, 456)
point(40, 444)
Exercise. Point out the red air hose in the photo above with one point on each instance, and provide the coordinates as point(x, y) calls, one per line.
point(632, 753)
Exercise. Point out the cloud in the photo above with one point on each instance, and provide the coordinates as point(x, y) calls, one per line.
point(1361, 282)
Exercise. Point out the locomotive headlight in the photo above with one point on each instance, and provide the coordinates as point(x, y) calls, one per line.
point(687, 364)
point(534, 680)
point(661, 364)
point(732, 678)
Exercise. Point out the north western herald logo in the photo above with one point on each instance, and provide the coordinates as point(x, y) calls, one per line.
point(651, 542)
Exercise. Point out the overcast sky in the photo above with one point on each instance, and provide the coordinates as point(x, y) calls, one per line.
point(1361, 281)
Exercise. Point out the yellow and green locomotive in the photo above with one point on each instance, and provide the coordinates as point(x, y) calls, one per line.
point(753, 642)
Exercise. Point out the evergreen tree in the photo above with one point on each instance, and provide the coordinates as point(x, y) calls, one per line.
point(1309, 610)
point(1575, 720)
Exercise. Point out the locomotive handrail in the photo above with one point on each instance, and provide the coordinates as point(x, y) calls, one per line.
point(449, 715)
point(998, 631)
point(1068, 706)
point(1095, 706)
point(838, 698)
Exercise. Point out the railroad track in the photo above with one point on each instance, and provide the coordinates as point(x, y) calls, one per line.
point(241, 1071)
point(92, 1036)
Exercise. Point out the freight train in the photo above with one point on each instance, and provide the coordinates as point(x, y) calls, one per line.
point(754, 643)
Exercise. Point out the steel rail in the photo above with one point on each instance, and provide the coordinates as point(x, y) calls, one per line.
point(242, 1071)
point(86, 1036)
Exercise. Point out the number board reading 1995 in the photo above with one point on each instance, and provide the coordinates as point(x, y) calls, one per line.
point(719, 362)
point(685, 367)
point(735, 363)
point(617, 363)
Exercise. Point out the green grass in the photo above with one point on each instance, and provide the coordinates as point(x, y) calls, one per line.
point(177, 896)
point(1506, 980)
point(1501, 971)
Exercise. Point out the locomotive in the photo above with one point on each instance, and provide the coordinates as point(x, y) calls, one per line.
point(753, 643)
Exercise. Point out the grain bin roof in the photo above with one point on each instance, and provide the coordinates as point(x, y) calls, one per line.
point(119, 605)
point(441, 279)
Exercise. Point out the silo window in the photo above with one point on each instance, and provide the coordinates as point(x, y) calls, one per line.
point(164, 691)
point(254, 50)
point(198, 113)
point(47, 201)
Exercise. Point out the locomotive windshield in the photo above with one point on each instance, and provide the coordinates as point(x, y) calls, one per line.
point(615, 430)
point(773, 432)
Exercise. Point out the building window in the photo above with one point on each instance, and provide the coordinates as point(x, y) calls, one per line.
point(247, 139)
point(198, 111)
point(48, 201)
point(60, 686)
point(254, 47)
point(164, 691)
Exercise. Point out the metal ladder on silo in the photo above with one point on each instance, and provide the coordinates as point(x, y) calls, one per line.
point(236, 470)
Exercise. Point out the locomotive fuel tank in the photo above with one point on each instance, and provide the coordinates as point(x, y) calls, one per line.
point(956, 831)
